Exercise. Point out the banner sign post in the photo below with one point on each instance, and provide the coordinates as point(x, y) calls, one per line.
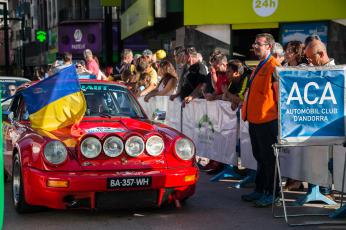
point(311, 105)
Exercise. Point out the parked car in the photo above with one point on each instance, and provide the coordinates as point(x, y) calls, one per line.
point(8, 86)
point(123, 159)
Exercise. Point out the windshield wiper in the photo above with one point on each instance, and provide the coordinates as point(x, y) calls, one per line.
point(103, 114)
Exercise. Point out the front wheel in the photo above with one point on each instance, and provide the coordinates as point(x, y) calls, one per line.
point(18, 197)
point(5, 177)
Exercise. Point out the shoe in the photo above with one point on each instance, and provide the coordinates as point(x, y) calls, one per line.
point(213, 167)
point(210, 166)
point(294, 185)
point(266, 200)
point(252, 196)
point(216, 170)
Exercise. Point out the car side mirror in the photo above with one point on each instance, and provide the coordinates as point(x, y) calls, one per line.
point(159, 115)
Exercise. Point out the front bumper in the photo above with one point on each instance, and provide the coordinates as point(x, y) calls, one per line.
point(89, 189)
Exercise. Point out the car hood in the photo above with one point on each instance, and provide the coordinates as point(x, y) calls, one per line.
point(121, 127)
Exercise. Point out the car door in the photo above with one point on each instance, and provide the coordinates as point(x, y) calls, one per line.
point(10, 131)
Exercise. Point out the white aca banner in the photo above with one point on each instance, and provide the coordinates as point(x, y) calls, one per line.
point(211, 125)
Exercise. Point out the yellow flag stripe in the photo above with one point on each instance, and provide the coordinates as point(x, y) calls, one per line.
point(63, 112)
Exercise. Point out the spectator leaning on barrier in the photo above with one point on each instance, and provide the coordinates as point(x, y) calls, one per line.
point(195, 78)
point(126, 62)
point(234, 91)
point(143, 66)
point(142, 83)
point(151, 58)
point(180, 65)
point(200, 59)
point(260, 109)
point(167, 84)
point(218, 75)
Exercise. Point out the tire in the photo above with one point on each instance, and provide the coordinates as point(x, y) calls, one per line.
point(184, 200)
point(18, 197)
point(5, 177)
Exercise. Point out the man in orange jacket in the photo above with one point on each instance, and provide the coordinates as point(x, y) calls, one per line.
point(260, 109)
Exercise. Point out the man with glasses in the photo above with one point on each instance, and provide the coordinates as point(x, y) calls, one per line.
point(260, 109)
point(316, 54)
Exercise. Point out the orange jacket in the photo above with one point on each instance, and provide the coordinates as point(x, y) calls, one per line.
point(260, 105)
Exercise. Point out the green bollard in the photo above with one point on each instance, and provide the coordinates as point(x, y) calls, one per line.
point(2, 184)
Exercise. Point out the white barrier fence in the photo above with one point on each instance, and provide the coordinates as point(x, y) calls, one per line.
point(212, 125)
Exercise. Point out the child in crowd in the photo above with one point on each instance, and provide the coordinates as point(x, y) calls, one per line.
point(142, 83)
point(234, 91)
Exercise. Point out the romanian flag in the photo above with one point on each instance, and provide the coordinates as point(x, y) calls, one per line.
point(56, 101)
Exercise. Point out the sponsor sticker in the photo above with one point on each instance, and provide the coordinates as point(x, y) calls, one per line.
point(105, 130)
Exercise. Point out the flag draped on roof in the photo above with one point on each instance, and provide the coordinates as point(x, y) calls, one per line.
point(56, 101)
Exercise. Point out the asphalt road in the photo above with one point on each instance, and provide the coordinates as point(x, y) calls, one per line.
point(214, 206)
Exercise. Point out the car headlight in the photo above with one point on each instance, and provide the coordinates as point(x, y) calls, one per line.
point(113, 146)
point(155, 146)
point(55, 152)
point(91, 147)
point(184, 148)
point(134, 146)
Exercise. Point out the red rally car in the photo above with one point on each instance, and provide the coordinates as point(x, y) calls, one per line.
point(122, 160)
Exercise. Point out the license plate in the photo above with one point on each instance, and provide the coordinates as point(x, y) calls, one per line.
point(128, 182)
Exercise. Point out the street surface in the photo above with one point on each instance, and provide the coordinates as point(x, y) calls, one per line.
point(215, 206)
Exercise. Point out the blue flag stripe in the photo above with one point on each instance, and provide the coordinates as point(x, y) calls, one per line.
point(59, 85)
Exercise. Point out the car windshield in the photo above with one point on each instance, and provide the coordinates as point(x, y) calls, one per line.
point(8, 86)
point(105, 100)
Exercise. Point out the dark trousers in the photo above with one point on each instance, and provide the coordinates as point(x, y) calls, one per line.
point(263, 136)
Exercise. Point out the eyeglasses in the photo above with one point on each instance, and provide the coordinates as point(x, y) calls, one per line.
point(12, 89)
point(311, 57)
point(257, 44)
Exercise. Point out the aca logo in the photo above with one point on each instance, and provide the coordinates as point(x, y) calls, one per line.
point(205, 120)
point(206, 130)
point(309, 93)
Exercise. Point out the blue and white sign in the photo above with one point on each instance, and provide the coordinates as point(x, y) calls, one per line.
point(312, 105)
point(299, 31)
